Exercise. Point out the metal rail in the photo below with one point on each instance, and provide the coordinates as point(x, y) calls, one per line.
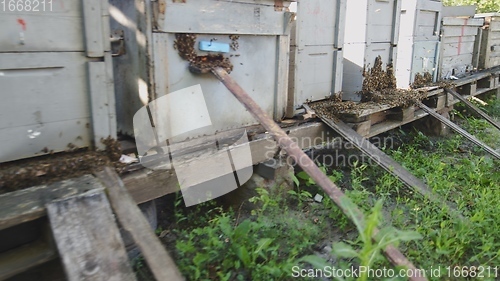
point(474, 108)
point(459, 130)
point(388, 164)
point(308, 165)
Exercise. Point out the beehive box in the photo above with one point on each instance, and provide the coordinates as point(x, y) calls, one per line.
point(371, 30)
point(489, 54)
point(151, 67)
point(55, 78)
point(419, 32)
point(316, 51)
point(459, 31)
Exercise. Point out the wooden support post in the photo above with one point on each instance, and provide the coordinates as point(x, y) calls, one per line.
point(401, 114)
point(467, 89)
point(132, 220)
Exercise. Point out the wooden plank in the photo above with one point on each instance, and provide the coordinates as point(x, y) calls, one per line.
point(387, 163)
point(101, 108)
point(495, 26)
point(216, 17)
point(447, 21)
point(378, 117)
point(88, 239)
point(29, 204)
point(147, 184)
point(472, 78)
point(53, 28)
point(59, 117)
point(132, 220)
point(93, 27)
point(34, 140)
point(459, 130)
point(453, 49)
point(459, 11)
point(459, 31)
point(263, 147)
point(389, 125)
point(282, 75)
point(457, 39)
point(474, 108)
point(62, 75)
point(459, 63)
point(362, 128)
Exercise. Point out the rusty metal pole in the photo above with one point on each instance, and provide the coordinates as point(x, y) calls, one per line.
point(294, 151)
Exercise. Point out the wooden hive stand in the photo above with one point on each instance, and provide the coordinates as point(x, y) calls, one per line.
point(82, 230)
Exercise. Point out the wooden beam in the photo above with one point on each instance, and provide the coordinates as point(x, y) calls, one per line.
point(29, 204)
point(146, 184)
point(88, 238)
point(132, 220)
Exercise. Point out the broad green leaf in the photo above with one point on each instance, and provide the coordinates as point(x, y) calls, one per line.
point(354, 216)
point(263, 244)
point(200, 258)
point(295, 180)
point(242, 229)
point(303, 175)
point(315, 261)
point(408, 235)
point(243, 255)
point(341, 249)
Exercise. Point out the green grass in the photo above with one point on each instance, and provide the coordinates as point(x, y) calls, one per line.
point(461, 174)
point(210, 242)
point(264, 245)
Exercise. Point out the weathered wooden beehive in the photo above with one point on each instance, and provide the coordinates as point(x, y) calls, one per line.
point(316, 51)
point(489, 51)
point(458, 35)
point(151, 66)
point(418, 45)
point(55, 78)
point(371, 30)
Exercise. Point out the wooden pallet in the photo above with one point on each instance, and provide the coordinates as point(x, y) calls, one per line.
point(82, 230)
point(378, 118)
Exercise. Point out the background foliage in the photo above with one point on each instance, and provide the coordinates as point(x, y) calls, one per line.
point(483, 6)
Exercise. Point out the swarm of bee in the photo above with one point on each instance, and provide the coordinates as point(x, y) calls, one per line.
point(421, 80)
point(380, 86)
point(185, 46)
point(51, 168)
point(397, 97)
point(234, 42)
point(333, 107)
point(204, 64)
point(376, 79)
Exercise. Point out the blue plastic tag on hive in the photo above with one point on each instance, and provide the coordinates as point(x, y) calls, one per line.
point(211, 46)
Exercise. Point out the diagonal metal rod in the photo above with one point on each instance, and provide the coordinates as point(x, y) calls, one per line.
point(388, 164)
point(459, 130)
point(474, 108)
point(308, 165)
